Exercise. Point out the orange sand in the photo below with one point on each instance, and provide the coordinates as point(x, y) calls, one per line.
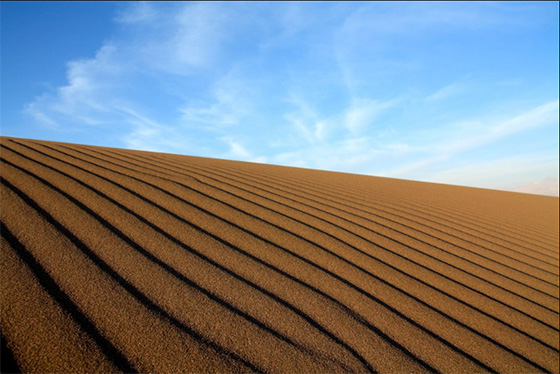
point(125, 261)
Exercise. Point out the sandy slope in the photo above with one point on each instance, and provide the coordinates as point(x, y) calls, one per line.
point(119, 260)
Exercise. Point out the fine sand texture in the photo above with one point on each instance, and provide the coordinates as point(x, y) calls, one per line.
point(116, 260)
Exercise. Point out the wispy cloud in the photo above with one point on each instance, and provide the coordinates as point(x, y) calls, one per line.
point(445, 92)
point(305, 121)
point(229, 101)
point(236, 149)
point(363, 113)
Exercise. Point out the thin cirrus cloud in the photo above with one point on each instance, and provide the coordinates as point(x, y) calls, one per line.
point(394, 89)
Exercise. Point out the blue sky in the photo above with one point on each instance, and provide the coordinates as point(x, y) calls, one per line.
point(462, 93)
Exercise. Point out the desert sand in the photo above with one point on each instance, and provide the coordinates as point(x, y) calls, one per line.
point(117, 260)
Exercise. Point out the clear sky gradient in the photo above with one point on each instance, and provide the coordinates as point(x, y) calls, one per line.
point(462, 93)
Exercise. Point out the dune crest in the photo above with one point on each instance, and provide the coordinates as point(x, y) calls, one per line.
point(116, 260)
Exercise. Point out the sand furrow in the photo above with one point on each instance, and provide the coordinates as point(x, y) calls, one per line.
point(522, 253)
point(157, 320)
point(473, 258)
point(108, 294)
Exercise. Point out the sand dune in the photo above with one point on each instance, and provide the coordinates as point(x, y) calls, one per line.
point(126, 261)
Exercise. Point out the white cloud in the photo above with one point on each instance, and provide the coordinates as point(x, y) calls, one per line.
point(363, 112)
point(304, 121)
point(354, 155)
point(400, 149)
point(545, 114)
point(422, 17)
point(236, 150)
point(83, 95)
point(36, 112)
point(314, 127)
point(177, 38)
point(138, 119)
point(231, 100)
point(200, 34)
point(222, 111)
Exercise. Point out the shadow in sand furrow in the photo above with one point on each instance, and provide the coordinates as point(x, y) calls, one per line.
point(61, 298)
point(8, 363)
point(289, 184)
point(351, 285)
point(130, 288)
point(322, 202)
point(474, 331)
point(399, 270)
point(435, 258)
point(189, 282)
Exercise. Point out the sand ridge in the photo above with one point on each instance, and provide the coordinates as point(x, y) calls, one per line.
point(152, 262)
